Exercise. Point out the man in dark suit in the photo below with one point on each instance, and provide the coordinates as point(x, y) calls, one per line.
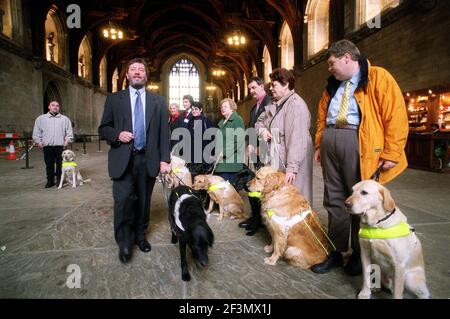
point(256, 89)
point(135, 124)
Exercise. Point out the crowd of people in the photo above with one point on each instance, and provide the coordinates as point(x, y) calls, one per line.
point(362, 127)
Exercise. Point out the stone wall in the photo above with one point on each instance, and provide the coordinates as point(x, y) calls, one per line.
point(23, 83)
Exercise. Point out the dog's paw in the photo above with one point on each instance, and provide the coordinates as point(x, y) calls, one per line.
point(270, 261)
point(268, 249)
point(186, 277)
point(59, 187)
point(364, 294)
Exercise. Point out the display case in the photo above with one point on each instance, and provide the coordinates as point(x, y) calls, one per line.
point(428, 147)
point(419, 113)
point(444, 112)
point(426, 108)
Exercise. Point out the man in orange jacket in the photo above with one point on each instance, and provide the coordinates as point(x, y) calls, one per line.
point(362, 125)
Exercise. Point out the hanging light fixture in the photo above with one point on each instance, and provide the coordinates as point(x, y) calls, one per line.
point(236, 39)
point(211, 88)
point(112, 32)
point(218, 72)
point(152, 87)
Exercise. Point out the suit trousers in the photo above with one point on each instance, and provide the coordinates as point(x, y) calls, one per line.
point(52, 158)
point(339, 153)
point(132, 196)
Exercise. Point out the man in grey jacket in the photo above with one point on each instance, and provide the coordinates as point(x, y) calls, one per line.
point(52, 132)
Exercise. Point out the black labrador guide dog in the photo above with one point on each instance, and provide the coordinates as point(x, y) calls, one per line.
point(187, 220)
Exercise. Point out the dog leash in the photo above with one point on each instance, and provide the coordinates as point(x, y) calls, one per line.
point(320, 227)
point(165, 189)
point(376, 175)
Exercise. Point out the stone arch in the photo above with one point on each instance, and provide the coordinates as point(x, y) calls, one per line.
point(52, 93)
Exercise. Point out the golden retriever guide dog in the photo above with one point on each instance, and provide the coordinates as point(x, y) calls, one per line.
point(222, 193)
point(297, 235)
point(386, 240)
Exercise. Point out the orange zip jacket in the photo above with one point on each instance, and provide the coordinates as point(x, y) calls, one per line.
point(383, 130)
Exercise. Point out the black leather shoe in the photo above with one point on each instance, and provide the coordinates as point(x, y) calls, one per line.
point(353, 266)
point(252, 231)
point(124, 255)
point(144, 245)
point(334, 260)
point(49, 184)
point(245, 223)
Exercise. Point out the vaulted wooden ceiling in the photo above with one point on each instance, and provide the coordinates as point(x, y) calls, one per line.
point(160, 29)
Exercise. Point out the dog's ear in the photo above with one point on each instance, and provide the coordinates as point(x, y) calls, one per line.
point(388, 201)
point(273, 181)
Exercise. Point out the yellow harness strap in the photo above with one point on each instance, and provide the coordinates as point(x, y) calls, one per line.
point(400, 230)
point(65, 164)
point(176, 170)
point(214, 187)
point(254, 194)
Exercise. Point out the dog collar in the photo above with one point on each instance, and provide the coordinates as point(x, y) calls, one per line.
point(214, 187)
point(66, 164)
point(401, 229)
point(387, 216)
point(254, 194)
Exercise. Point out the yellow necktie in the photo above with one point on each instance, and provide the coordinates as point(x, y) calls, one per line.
point(342, 116)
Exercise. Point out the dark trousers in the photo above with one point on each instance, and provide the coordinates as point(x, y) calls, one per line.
point(231, 177)
point(52, 158)
point(339, 153)
point(132, 195)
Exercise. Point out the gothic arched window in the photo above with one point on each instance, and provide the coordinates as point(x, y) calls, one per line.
point(5, 18)
point(368, 9)
point(85, 60)
point(54, 37)
point(115, 80)
point(318, 13)
point(183, 80)
point(287, 47)
point(267, 64)
point(103, 73)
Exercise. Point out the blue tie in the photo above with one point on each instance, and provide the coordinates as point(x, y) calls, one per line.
point(139, 123)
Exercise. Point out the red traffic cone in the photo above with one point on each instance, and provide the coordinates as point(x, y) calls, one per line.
point(11, 152)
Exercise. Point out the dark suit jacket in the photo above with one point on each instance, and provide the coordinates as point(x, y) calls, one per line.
point(254, 115)
point(117, 118)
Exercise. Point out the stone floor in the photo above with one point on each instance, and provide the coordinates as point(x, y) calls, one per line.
point(44, 231)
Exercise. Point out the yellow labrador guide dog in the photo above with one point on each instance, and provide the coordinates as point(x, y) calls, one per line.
point(387, 240)
point(70, 170)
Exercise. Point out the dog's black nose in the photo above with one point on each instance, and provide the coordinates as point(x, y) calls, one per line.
point(348, 205)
